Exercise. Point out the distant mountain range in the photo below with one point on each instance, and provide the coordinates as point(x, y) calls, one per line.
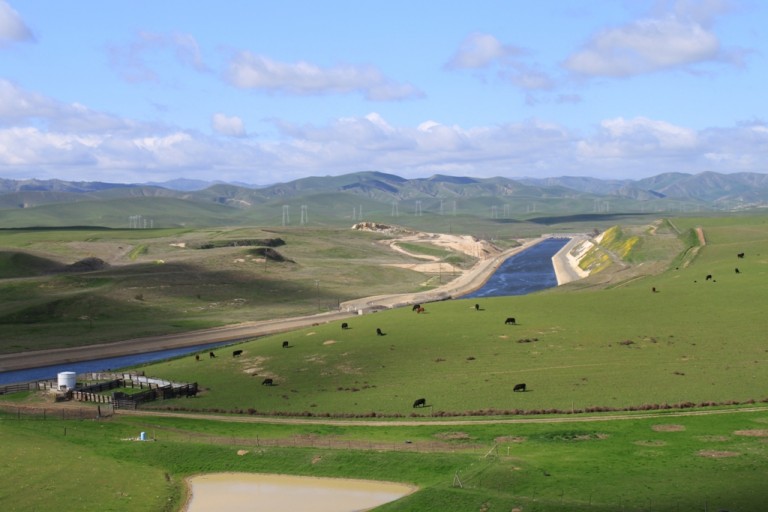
point(381, 191)
point(707, 187)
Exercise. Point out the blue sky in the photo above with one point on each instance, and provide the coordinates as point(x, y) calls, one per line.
point(263, 92)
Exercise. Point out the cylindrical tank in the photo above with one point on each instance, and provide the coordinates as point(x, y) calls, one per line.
point(67, 380)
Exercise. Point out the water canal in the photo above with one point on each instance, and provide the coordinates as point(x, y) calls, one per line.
point(523, 273)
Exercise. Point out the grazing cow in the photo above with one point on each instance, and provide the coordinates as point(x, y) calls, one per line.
point(236, 353)
point(267, 382)
point(378, 332)
point(510, 320)
point(420, 310)
point(519, 387)
point(345, 325)
point(708, 278)
point(415, 307)
point(197, 357)
point(211, 355)
point(653, 289)
point(285, 344)
point(740, 255)
point(737, 270)
point(421, 402)
point(477, 307)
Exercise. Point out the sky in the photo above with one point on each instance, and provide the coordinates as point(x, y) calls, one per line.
point(261, 92)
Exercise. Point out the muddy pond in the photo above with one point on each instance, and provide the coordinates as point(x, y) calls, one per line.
point(240, 492)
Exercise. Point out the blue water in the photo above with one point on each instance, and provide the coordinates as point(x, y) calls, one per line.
point(523, 273)
point(98, 365)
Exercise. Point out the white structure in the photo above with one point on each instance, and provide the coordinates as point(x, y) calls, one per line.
point(67, 381)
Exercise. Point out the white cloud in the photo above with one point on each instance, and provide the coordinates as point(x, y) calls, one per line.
point(131, 60)
point(479, 51)
point(12, 26)
point(231, 126)
point(681, 38)
point(484, 52)
point(251, 71)
point(43, 138)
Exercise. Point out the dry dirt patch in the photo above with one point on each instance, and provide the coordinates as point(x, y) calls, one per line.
point(760, 432)
point(717, 454)
point(712, 439)
point(453, 436)
point(510, 439)
point(668, 428)
point(329, 342)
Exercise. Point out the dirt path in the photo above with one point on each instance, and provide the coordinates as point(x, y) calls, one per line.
point(441, 422)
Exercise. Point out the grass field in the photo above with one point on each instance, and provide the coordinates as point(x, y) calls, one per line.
point(607, 342)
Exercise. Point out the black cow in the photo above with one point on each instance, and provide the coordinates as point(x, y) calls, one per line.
point(197, 357)
point(211, 355)
point(378, 332)
point(477, 307)
point(708, 278)
point(345, 325)
point(236, 353)
point(267, 382)
point(415, 307)
point(285, 344)
point(737, 270)
point(510, 320)
point(740, 255)
point(420, 402)
point(519, 387)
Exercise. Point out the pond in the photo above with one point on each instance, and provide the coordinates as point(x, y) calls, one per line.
point(241, 492)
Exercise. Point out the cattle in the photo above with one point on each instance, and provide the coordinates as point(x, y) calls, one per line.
point(740, 255)
point(236, 353)
point(420, 310)
point(415, 307)
point(211, 355)
point(345, 325)
point(420, 402)
point(197, 357)
point(653, 289)
point(285, 344)
point(267, 382)
point(519, 387)
point(510, 320)
point(379, 332)
point(477, 307)
point(738, 271)
point(708, 278)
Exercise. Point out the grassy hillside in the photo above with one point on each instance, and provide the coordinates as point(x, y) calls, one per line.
point(607, 342)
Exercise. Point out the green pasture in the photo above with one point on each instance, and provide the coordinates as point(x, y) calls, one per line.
point(623, 346)
point(664, 463)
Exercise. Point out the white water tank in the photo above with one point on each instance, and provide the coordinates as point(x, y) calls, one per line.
point(67, 381)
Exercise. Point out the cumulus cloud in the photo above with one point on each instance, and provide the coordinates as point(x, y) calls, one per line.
point(479, 51)
point(40, 137)
point(250, 71)
point(131, 60)
point(226, 125)
point(12, 26)
point(681, 38)
point(484, 52)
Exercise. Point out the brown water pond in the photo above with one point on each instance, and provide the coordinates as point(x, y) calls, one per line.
point(240, 492)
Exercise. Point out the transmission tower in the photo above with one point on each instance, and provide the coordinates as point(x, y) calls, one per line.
point(304, 216)
point(286, 214)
